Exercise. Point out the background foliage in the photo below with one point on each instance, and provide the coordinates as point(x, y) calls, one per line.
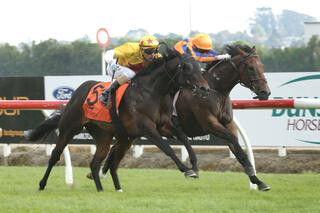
point(82, 57)
point(278, 38)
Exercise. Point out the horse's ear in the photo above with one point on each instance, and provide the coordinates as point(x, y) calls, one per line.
point(165, 50)
point(253, 49)
point(170, 52)
point(240, 51)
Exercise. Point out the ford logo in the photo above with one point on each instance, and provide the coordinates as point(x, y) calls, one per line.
point(63, 93)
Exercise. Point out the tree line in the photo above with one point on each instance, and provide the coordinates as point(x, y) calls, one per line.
point(82, 57)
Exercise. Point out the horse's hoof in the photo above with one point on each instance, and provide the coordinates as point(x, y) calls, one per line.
point(197, 172)
point(101, 175)
point(190, 173)
point(89, 176)
point(41, 186)
point(263, 187)
point(119, 190)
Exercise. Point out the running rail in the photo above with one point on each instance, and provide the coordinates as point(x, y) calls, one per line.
point(303, 103)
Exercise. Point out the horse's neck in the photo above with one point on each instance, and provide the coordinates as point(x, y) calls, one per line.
point(160, 82)
point(223, 78)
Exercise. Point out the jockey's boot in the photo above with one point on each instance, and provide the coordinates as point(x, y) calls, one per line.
point(105, 94)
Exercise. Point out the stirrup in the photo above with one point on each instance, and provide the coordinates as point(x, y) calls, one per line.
point(104, 98)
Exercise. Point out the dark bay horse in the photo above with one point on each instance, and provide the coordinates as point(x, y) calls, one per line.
point(141, 112)
point(214, 115)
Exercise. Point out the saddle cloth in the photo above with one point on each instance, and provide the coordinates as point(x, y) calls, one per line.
point(94, 109)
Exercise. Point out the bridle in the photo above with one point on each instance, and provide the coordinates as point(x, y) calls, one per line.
point(236, 68)
point(179, 72)
point(252, 80)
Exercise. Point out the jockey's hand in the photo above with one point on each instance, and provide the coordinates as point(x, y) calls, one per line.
point(223, 57)
point(115, 67)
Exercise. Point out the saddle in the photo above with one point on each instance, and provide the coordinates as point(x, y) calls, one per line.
point(94, 109)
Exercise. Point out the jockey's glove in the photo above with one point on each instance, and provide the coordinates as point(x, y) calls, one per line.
point(115, 67)
point(223, 57)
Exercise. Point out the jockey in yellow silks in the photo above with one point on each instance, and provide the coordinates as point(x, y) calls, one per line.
point(125, 61)
point(200, 47)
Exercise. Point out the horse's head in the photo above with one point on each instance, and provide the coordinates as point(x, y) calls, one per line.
point(191, 76)
point(251, 70)
point(187, 73)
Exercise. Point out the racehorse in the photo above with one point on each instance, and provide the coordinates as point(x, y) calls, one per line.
point(140, 111)
point(214, 115)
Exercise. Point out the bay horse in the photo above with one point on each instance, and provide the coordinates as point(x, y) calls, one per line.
point(141, 112)
point(214, 115)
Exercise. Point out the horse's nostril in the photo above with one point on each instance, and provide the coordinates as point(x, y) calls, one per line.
point(204, 88)
point(264, 95)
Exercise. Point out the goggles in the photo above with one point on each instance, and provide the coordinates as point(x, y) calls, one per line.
point(200, 50)
point(150, 51)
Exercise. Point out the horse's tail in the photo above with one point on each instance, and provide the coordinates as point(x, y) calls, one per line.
point(45, 128)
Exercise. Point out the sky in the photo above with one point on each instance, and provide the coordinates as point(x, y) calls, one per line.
point(68, 20)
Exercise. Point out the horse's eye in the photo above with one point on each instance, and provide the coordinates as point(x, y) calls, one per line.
point(251, 70)
point(188, 69)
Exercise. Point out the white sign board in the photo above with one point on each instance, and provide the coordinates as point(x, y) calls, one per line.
point(283, 127)
point(268, 127)
point(62, 87)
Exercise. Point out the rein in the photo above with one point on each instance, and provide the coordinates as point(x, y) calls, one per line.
point(179, 71)
point(236, 68)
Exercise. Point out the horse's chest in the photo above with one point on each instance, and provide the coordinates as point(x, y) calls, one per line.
point(225, 117)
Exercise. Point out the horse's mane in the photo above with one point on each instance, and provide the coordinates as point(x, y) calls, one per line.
point(233, 51)
point(153, 66)
point(156, 63)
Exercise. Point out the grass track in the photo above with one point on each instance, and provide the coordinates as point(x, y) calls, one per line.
point(149, 191)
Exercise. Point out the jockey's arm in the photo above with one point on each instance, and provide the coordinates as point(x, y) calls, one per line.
point(116, 70)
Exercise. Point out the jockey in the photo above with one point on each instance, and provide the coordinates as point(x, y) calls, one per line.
point(125, 61)
point(200, 47)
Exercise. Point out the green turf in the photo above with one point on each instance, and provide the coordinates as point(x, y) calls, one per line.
point(154, 190)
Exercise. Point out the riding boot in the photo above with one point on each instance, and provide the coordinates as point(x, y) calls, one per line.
point(106, 93)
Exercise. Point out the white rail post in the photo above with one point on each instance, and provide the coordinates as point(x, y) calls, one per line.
point(6, 150)
point(137, 151)
point(93, 149)
point(49, 148)
point(282, 151)
point(184, 154)
point(231, 155)
point(247, 143)
point(68, 169)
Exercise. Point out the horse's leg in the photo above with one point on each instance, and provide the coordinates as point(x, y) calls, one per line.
point(229, 136)
point(115, 156)
point(103, 142)
point(100, 154)
point(243, 159)
point(181, 136)
point(153, 135)
point(106, 166)
point(55, 155)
